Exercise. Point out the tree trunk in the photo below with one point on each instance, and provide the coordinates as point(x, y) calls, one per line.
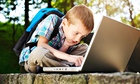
point(14, 32)
point(49, 4)
point(131, 13)
point(26, 14)
point(72, 3)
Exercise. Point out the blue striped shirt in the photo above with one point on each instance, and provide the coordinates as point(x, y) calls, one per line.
point(45, 28)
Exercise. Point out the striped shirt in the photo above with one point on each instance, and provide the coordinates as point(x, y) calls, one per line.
point(45, 28)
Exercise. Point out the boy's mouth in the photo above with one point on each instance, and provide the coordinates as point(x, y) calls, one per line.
point(74, 42)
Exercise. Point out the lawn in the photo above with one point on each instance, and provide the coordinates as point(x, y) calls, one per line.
point(8, 59)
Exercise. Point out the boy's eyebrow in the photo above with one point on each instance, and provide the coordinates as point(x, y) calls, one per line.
point(82, 35)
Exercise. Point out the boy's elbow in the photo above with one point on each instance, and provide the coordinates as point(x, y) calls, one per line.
point(40, 44)
point(42, 41)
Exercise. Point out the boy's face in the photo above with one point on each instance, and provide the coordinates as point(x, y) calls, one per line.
point(74, 32)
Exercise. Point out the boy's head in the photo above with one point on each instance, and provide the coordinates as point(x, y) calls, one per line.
point(82, 13)
point(77, 23)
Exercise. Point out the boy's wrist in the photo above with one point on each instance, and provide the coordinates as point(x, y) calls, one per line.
point(68, 57)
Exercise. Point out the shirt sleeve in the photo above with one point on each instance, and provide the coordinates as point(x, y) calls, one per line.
point(46, 26)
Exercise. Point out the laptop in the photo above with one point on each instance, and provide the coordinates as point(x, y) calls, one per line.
point(109, 50)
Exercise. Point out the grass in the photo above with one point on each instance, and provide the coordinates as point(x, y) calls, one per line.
point(8, 59)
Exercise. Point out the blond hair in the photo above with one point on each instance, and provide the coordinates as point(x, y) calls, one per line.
point(82, 13)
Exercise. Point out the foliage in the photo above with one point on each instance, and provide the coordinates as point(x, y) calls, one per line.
point(112, 8)
point(9, 61)
point(124, 9)
point(137, 21)
point(7, 7)
point(62, 5)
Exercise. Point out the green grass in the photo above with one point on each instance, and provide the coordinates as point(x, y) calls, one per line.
point(8, 59)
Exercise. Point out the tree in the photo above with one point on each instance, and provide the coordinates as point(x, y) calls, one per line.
point(5, 9)
point(136, 21)
point(63, 5)
point(133, 19)
point(26, 14)
point(120, 8)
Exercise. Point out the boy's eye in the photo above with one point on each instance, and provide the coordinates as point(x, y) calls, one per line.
point(75, 33)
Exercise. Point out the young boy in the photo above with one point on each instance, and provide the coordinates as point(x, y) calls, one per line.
point(64, 48)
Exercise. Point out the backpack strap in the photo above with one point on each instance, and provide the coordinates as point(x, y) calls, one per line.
point(56, 28)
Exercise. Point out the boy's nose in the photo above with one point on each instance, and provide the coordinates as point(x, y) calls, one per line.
point(77, 39)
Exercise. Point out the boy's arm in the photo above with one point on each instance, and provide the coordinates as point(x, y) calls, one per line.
point(76, 59)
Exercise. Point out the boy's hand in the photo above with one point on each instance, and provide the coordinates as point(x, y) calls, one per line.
point(77, 60)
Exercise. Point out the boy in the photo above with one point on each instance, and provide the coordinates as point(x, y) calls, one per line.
point(63, 49)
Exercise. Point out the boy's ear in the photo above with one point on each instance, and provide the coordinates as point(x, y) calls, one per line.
point(65, 22)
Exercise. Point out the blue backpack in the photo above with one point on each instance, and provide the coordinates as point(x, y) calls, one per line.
point(43, 13)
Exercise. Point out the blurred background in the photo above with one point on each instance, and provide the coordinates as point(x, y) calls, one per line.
point(16, 15)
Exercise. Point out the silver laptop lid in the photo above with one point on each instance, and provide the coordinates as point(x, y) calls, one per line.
point(111, 46)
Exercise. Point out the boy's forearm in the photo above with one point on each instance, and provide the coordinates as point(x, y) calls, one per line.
point(43, 43)
point(56, 53)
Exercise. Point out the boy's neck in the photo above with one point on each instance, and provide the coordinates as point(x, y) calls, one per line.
point(64, 48)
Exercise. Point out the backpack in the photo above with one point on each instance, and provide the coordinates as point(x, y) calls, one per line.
point(43, 13)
